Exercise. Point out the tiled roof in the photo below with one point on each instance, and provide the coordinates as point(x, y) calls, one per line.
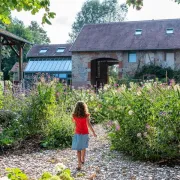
point(12, 36)
point(51, 50)
point(15, 68)
point(121, 36)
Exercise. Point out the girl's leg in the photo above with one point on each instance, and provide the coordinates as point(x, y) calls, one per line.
point(79, 159)
point(83, 154)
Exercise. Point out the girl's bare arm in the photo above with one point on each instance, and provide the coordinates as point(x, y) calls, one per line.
point(90, 127)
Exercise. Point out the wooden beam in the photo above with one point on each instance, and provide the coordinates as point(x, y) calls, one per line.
point(9, 44)
point(0, 54)
point(20, 63)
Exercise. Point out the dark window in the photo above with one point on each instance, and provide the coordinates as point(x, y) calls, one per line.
point(132, 57)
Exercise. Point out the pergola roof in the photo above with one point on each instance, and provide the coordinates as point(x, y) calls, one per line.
point(13, 37)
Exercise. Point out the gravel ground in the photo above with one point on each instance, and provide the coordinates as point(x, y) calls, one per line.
point(101, 163)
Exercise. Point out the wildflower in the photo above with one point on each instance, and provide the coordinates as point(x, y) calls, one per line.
point(130, 112)
point(99, 105)
point(139, 93)
point(59, 168)
point(139, 135)
point(162, 113)
point(1, 129)
point(117, 127)
point(145, 134)
point(148, 126)
point(110, 123)
point(57, 94)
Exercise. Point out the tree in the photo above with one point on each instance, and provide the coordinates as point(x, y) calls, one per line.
point(39, 35)
point(33, 33)
point(138, 4)
point(27, 5)
point(93, 11)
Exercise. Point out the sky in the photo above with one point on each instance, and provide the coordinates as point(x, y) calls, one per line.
point(66, 11)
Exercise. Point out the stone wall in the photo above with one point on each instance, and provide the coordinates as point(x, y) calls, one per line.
point(81, 63)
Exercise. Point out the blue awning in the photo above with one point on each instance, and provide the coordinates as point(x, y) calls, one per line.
point(48, 66)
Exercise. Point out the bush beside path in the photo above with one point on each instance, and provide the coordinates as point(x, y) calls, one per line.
point(101, 163)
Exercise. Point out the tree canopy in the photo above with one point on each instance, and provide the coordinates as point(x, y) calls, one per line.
point(138, 4)
point(94, 11)
point(27, 5)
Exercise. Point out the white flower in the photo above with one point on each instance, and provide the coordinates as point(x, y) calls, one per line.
point(139, 93)
point(130, 112)
point(139, 135)
point(145, 134)
point(59, 168)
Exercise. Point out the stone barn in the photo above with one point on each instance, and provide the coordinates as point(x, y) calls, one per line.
point(130, 45)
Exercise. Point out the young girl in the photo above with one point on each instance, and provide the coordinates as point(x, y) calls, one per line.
point(80, 138)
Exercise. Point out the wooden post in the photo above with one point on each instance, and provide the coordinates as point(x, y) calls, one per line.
point(20, 63)
point(0, 55)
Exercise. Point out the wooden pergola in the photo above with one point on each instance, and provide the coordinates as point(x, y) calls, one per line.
point(16, 44)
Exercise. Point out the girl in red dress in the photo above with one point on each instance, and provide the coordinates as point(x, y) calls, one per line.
point(81, 136)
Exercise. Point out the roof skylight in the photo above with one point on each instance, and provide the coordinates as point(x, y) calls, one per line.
point(43, 51)
point(60, 50)
point(169, 31)
point(138, 32)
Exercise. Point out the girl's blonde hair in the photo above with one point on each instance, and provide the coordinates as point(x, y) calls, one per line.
point(81, 110)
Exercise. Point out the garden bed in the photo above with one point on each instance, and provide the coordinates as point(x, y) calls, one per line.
point(101, 162)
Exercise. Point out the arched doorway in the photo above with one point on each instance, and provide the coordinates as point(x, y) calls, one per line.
point(100, 69)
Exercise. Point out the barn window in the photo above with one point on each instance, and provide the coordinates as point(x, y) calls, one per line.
point(132, 57)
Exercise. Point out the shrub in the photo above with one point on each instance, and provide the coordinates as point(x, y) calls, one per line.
point(159, 72)
point(58, 132)
point(146, 121)
point(6, 117)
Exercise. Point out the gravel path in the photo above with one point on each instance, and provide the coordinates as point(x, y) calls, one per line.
point(101, 163)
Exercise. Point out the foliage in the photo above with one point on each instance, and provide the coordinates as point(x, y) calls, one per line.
point(61, 173)
point(145, 120)
point(59, 132)
point(28, 5)
point(1, 95)
point(138, 4)
point(33, 33)
point(6, 117)
point(158, 71)
point(93, 12)
point(15, 173)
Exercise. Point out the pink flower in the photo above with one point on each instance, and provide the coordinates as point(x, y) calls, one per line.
point(110, 123)
point(148, 126)
point(118, 127)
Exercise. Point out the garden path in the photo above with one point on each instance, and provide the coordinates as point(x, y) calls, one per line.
point(100, 162)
